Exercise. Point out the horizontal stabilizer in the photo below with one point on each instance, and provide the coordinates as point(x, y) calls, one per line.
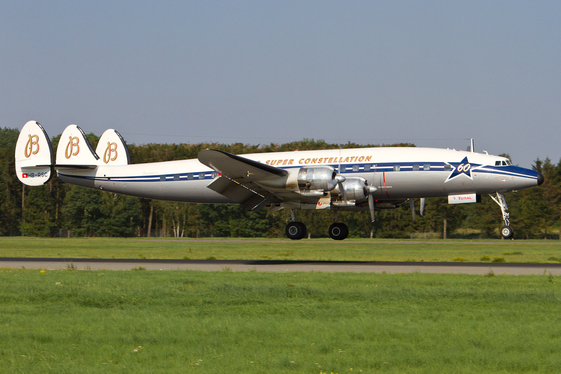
point(112, 149)
point(74, 149)
point(34, 155)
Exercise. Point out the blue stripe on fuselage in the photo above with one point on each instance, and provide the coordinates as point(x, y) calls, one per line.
point(387, 167)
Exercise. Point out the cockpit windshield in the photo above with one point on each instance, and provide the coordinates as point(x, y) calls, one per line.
point(503, 163)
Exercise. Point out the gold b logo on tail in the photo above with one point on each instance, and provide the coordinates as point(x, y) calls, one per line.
point(109, 151)
point(72, 143)
point(30, 148)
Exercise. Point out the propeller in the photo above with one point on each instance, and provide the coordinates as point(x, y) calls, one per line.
point(370, 191)
point(340, 179)
point(412, 205)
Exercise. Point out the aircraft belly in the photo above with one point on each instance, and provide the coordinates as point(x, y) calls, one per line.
point(405, 184)
point(184, 191)
point(87, 182)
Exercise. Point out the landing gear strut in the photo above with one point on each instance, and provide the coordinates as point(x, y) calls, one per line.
point(506, 230)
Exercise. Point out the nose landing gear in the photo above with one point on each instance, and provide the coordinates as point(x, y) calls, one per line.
point(506, 231)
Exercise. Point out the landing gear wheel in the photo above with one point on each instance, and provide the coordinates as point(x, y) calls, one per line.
point(338, 231)
point(507, 232)
point(295, 230)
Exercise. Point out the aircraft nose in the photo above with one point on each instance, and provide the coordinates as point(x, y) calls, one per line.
point(540, 178)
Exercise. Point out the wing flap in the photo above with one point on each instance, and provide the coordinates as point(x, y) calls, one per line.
point(239, 178)
point(232, 190)
point(239, 193)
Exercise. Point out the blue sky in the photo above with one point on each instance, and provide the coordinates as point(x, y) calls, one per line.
point(433, 73)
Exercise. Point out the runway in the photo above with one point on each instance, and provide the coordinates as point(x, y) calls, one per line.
point(283, 266)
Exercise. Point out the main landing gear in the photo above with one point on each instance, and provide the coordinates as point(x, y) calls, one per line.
point(297, 230)
point(338, 231)
point(506, 230)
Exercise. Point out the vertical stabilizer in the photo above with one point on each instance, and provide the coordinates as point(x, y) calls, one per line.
point(112, 149)
point(74, 149)
point(34, 155)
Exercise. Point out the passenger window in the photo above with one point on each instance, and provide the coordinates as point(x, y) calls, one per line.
point(176, 177)
point(162, 178)
point(201, 175)
point(396, 168)
point(214, 175)
point(190, 176)
point(342, 169)
point(415, 167)
point(366, 167)
point(426, 167)
point(447, 167)
point(355, 167)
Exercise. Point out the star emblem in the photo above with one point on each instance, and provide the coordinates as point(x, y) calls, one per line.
point(461, 168)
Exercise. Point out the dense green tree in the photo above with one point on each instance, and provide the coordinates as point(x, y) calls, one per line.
point(82, 211)
point(8, 138)
point(38, 213)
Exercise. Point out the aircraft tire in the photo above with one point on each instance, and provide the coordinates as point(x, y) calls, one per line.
point(338, 231)
point(507, 232)
point(295, 230)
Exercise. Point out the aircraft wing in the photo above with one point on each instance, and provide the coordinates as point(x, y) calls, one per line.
point(237, 167)
point(239, 176)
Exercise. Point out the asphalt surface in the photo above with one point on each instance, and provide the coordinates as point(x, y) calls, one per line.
point(283, 266)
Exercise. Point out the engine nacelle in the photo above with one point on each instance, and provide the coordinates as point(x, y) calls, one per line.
point(320, 178)
point(354, 189)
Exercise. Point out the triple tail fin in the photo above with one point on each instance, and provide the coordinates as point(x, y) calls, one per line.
point(112, 149)
point(34, 155)
point(75, 151)
point(35, 158)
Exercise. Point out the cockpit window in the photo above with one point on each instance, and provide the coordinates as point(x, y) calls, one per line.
point(503, 163)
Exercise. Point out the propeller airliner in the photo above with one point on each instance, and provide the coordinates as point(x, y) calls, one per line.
point(345, 179)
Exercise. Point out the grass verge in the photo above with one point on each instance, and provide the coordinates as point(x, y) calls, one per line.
point(214, 322)
point(328, 250)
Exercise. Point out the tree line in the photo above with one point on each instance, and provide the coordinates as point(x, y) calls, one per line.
point(59, 209)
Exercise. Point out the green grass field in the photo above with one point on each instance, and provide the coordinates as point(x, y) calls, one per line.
point(249, 322)
point(348, 250)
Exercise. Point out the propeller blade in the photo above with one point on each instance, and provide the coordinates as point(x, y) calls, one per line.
point(340, 179)
point(422, 206)
point(412, 205)
point(371, 206)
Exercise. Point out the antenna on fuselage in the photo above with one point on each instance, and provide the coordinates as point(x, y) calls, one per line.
point(471, 147)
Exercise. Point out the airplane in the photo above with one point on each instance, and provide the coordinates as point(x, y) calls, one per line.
point(336, 179)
